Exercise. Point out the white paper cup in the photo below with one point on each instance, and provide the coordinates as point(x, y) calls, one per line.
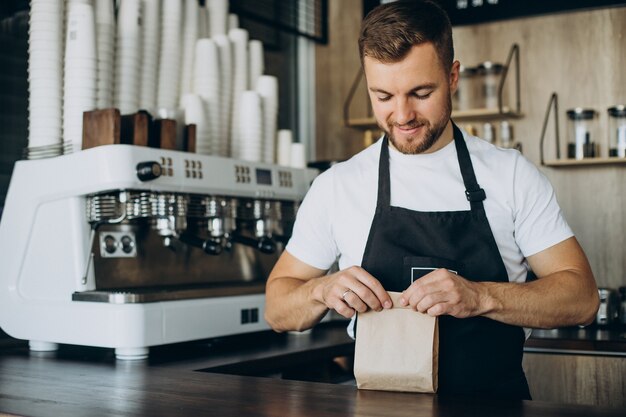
point(284, 139)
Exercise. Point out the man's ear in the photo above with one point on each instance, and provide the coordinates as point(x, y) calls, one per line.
point(454, 76)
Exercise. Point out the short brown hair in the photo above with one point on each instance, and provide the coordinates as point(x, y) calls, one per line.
point(390, 31)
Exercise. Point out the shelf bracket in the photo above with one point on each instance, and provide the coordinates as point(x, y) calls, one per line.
point(513, 53)
point(552, 104)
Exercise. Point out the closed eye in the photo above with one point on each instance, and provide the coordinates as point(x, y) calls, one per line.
point(383, 98)
point(423, 96)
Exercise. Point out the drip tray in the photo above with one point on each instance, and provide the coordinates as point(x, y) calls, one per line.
point(155, 294)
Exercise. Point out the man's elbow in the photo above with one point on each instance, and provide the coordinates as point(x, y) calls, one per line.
point(590, 308)
point(273, 322)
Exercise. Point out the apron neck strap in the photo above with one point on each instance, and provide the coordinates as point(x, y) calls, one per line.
point(474, 194)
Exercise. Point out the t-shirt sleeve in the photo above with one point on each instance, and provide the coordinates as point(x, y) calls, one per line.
point(539, 221)
point(312, 239)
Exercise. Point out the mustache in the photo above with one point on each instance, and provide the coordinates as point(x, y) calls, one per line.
point(409, 125)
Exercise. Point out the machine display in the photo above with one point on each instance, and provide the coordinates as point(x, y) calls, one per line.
point(128, 247)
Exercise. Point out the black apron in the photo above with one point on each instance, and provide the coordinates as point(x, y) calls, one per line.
point(477, 355)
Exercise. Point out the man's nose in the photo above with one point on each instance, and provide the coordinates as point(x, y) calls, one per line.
point(404, 112)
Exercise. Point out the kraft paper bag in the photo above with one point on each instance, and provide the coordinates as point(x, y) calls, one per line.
point(396, 349)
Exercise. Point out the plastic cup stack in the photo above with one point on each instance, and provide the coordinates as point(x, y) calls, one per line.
point(128, 59)
point(218, 17)
point(233, 21)
point(169, 63)
point(105, 43)
point(207, 85)
point(256, 66)
point(195, 113)
point(190, 36)
point(267, 87)
point(283, 154)
point(250, 127)
point(45, 74)
point(239, 39)
point(298, 155)
point(226, 77)
point(151, 28)
point(80, 72)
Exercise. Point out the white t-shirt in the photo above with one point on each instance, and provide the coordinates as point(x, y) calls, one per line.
point(333, 222)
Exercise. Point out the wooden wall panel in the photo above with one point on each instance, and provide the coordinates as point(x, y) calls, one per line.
point(336, 66)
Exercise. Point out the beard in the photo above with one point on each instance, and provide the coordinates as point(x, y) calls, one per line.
point(417, 144)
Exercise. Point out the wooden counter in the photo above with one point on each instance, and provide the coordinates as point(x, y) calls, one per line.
point(90, 382)
point(39, 386)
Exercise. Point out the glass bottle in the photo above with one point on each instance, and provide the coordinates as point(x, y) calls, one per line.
point(617, 131)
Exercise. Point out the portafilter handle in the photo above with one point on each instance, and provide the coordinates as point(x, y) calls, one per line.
point(211, 246)
point(263, 244)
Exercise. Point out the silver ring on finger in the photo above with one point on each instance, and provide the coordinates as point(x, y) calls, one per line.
point(346, 292)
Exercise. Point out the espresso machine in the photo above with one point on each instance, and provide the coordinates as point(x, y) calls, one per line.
point(128, 247)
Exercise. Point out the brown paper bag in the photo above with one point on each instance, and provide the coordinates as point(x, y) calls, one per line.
point(396, 350)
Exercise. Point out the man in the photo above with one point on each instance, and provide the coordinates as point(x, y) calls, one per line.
point(430, 196)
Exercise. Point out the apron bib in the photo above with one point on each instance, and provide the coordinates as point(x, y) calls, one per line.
point(477, 355)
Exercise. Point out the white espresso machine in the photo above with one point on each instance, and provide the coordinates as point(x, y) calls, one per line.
point(127, 247)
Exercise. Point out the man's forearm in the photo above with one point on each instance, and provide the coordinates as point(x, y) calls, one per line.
point(564, 298)
point(292, 303)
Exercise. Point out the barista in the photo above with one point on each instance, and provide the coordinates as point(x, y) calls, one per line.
point(429, 195)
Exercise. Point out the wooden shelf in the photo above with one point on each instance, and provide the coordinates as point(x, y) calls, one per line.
point(556, 163)
point(464, 115)
point(491, 114)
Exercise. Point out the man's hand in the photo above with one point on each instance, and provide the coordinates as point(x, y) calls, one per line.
point(353, 289)
point(443, 292)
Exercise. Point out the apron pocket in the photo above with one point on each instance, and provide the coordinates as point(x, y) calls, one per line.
point(416, 267)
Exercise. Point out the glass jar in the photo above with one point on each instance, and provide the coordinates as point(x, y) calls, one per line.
point(465, 95)
point(490, 75)
point(582, 125)
point(617, 131)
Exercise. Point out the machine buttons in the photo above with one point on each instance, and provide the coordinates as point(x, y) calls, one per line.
point(117, 244)
point(193, 169)
point(149, 170)
point(242, 174)
point(285, 179)
point(249, 315)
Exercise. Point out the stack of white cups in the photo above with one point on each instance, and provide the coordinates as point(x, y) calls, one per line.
point(283, 154)
point(233, 21)
point(128, 58)
point(256, 66)
point(151, 28)
point(206, 84)
point(226, 77)
point(79, 88)
point(169, 63)
point(105, 42)
point(45, 73)
point(250, 127)
point(218, 17)
point(267, 88)
point(239, 39)
point(190, 36)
